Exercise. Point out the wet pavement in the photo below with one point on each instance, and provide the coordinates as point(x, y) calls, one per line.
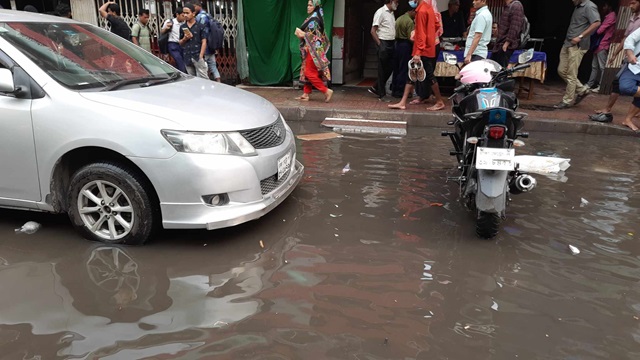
point(377, 260)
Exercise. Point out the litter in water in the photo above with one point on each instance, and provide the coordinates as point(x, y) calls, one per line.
point(574, 250)
point(583, 202)
point(319, 136)
point(346, 168)
point(28, 228)
point(261, 244)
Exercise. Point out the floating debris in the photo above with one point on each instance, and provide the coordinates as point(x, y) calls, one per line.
point(583, 202)
point(261, 244)
point(574, 250)
point(319, 136)
point(346, 168)
point(28, 228)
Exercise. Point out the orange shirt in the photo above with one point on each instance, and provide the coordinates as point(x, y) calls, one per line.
point(425, 36)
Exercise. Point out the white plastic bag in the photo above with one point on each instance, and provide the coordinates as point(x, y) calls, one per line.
point(543, 165)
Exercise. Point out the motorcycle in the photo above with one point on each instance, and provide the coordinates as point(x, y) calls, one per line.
point(487, 126)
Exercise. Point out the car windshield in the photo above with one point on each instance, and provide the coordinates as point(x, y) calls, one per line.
point(82, 56)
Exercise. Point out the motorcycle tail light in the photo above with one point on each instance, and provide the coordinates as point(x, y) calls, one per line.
point(496, 132)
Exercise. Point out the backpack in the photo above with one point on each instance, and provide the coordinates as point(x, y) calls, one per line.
point(525, 33)
point(215, 38)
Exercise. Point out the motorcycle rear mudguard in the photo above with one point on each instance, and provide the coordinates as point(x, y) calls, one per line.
point(491, 196)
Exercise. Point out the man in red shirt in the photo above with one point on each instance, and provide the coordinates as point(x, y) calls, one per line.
point(424, 49)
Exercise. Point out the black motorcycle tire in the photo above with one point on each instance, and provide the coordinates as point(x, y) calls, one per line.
point(487, 225)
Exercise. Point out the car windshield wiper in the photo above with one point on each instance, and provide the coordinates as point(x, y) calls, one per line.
point(121, 83)
point(173, 77)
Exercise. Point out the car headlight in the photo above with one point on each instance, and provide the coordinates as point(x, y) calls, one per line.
point(220, 143)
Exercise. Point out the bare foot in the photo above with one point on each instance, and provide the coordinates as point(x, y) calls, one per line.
point(398, 106)
point(328, 95)
point(630, 125)
point(438, 106)
point(303, 97)
point(603, 111)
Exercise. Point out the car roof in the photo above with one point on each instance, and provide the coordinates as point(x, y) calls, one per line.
point(25, 16)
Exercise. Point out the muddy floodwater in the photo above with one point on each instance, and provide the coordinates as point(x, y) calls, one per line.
point(374, 260)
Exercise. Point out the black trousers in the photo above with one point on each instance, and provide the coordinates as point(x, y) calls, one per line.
point(502, 57)
point(423, 89)
point(401, 66)
point(385, 65)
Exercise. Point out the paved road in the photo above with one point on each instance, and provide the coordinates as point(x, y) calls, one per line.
point(377, 262)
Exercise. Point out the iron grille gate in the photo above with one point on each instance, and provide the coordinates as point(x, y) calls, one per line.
point(160, 10)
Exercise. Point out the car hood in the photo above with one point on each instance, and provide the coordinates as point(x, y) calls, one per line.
point(196, 104)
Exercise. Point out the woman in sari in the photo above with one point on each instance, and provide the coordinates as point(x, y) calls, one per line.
point(314, 46)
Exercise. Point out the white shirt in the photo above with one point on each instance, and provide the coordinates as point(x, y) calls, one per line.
point(386, 23)
point(174, 36)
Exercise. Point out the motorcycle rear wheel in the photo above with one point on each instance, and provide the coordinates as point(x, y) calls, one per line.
point(487, 225)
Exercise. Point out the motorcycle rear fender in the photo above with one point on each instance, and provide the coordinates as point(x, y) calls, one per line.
point(492, 191)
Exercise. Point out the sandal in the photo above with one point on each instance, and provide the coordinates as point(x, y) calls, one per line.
point(421, 73)
point(413, 73)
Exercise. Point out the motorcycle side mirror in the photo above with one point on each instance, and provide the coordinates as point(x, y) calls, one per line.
point(525, 56)
point(450, 58)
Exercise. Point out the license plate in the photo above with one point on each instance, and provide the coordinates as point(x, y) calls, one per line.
point(284, 164)
point(495, 159)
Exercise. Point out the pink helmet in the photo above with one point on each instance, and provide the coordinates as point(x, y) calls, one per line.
point(479, 71)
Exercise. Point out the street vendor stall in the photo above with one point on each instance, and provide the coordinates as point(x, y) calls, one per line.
point(537, 71)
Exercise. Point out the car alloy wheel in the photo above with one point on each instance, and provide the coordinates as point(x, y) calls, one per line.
point(105, 210)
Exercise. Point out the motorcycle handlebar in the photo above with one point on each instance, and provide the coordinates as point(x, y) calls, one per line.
point(460, 88)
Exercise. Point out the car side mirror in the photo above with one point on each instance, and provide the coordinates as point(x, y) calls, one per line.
point(6, 81)
point(450, 58)
point(525, 56)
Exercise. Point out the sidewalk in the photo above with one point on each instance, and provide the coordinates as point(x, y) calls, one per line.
point(357, 103)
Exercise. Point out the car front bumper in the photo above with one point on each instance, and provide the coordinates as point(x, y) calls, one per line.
point(201, 216)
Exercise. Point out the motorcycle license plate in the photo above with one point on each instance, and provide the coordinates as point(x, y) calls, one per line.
point(495, 159)
point(284, 164)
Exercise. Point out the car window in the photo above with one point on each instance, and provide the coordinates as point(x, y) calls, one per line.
point(82, 56)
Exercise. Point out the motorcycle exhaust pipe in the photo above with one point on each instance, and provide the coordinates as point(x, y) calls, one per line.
point(522, 183)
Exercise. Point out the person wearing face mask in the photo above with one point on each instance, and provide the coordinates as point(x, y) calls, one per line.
point(383, 31)
point(404, 45)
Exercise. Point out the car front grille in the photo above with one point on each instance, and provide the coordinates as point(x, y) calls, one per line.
point(272, 182)
point(266, 137)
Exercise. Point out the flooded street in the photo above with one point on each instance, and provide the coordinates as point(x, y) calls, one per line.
point(377, 260)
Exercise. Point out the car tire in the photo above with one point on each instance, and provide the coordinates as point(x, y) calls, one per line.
point(111, 203)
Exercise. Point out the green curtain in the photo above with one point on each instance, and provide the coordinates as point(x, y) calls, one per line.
point(274, 54)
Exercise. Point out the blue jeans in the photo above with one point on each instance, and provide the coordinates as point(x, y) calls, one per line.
point(175, 50)
point(629, 85)
point(211, 62)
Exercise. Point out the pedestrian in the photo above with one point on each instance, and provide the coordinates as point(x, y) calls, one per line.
point(508, 32)
point(404, 46)
point(604, 115)
point(477, 45)
point(204, 19)
point(314, 45)
point(584, 21)
point(424, 50)
point(383, 32)
point(423, 89)
point(63, 10)
point(453, 20)
point(630, 78)
point(111, 12)
point(175, 50)
point(140, 32)
point(194, 43)
point(601, 50)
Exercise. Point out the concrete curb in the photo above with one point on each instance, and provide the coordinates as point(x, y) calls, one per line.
point(440, 119)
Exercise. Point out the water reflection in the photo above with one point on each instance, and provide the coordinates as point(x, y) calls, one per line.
point(380, 262)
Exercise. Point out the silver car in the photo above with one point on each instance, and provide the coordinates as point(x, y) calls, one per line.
point(96, 127)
